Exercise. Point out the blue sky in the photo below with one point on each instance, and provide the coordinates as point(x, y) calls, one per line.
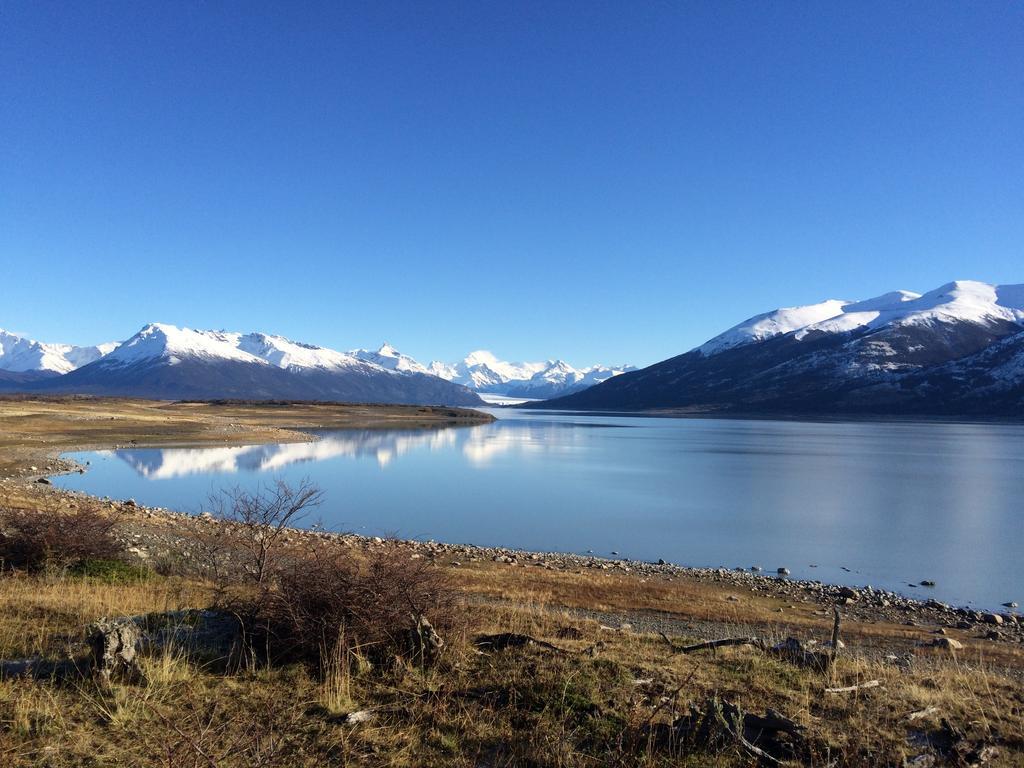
point(595, 181)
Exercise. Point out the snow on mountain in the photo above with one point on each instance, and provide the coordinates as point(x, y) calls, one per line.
point(482, 371)
point(389, 357)
point(560, 378)
point(958, 349)
point(960, 301)
point(770, 324)
point(158, 341)
point(166, 362)
point(21, 355)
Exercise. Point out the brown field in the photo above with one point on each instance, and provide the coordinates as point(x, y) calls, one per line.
point(598, 704)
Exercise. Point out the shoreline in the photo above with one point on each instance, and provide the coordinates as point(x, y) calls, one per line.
point(154, 529)
point(160, 531)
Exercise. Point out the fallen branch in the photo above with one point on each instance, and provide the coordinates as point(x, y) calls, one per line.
point(503, 640)
point(724, 642)
point(922, 713)
point(850, 688)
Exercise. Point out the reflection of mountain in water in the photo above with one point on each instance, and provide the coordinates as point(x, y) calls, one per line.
point(478, 445)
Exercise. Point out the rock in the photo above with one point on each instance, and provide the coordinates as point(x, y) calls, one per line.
point(1010, 604)
point(661, 561)
point(43, 481)
point(755, 568)
point(926, 583)
point(992, 618)
point(849, 593)
point(130, 503)
point(947, 643)
point(360, 716)
point(993, 634)
point(113, 650)
point(782, 571)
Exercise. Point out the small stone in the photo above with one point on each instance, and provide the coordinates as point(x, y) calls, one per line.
point(43, 481)
point(947, 643)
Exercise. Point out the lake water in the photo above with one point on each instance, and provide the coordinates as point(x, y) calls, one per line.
point(885, 504)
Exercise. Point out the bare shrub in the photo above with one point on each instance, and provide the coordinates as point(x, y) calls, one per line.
point(251, 528)
point(328, 605)
point(51, 537)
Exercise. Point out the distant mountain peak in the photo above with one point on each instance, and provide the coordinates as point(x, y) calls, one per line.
point(960, 300)
point(957, 349)
point(20, 354)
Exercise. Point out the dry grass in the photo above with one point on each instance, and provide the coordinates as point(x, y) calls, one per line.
point(511, 708)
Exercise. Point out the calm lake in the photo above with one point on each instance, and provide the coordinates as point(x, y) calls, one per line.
point(886, 504)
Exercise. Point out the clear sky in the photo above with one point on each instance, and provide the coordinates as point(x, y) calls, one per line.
point(588, 180)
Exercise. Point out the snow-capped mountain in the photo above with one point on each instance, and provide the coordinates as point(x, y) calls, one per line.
point(956, 349)
point(560, 378)
point(389, 357)
point(481, 371)
point(21, 355)
point(165, 361)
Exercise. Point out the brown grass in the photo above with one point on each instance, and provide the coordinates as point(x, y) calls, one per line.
point(511, 708)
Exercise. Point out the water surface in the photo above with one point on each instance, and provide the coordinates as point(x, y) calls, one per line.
point(886, 504)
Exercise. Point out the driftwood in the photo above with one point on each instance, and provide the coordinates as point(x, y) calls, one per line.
point(113, 649)
point(851, 688)
point(426, 643)
point(504, 640)
point(791, 649)
point(711, 645)
point(718, 725)
point(43, 669)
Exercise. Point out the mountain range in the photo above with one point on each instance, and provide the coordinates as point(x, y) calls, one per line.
point(956, 350)
point(481, 371)
point(164, 361)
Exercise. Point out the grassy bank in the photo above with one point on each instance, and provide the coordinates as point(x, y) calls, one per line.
point(596, 704)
